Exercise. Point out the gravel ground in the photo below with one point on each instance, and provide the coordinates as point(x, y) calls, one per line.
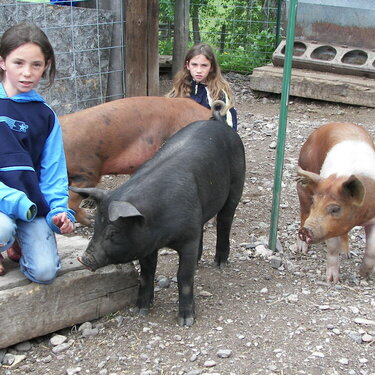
point(265, 313)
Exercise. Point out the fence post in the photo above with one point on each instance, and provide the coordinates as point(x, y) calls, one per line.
point(141, 43)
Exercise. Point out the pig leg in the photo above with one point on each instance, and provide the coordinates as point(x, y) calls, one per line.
point(90, 180)
point(200, 250)
point(146, 287)
point(368, 262)
point(188, 257)
point(81, 214)
point(305, 199)
point(224, 222)
point(336, 245)
point(2, 268)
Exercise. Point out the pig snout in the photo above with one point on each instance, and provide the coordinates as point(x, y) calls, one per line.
point(88, 261)
point(305, 235)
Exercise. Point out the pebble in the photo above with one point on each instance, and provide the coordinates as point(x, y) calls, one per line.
point(194, 372)
point(23, 346)
point(224, 353)
point(204, 293)
point(367, 338)
point(57, 340)
point(61, 348)
point(83, 326)
point(209, 363)
point(344, 361)
point(164, 282)
point(88, 332)
point(276, 262)
point(364, 321)
point(73, 371)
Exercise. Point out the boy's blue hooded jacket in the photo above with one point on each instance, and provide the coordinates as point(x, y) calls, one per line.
point(33, 174)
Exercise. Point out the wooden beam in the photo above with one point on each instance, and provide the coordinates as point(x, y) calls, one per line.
point(141, 47)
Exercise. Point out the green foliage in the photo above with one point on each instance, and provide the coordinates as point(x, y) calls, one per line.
point(242, 32)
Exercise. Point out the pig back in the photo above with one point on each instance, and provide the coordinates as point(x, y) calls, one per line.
point(315, 149)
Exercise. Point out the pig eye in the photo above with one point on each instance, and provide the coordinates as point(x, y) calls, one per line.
point(334, 209)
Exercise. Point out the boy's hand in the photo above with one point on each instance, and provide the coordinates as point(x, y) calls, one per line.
point(61, 220)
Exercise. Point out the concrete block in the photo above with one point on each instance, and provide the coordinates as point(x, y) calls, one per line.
point(77, 295)
point(331, 57)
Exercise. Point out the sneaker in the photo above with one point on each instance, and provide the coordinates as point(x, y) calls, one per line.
point(14, 252)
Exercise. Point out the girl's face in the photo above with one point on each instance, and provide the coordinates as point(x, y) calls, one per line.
point(23, 69)
point(199, 67)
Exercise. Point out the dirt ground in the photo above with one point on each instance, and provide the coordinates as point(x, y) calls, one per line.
point(261, 315)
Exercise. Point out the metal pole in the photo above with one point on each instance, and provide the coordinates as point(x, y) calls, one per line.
point(282, 122)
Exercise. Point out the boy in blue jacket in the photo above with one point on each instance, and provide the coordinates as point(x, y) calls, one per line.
point(33, 175)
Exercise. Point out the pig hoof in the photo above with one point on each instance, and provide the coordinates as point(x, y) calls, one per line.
point(140, 311)
point(85, 265)
point(332, 278)
point(188, 322)
point(143, 311)
point(365, 271)
point(221, 263)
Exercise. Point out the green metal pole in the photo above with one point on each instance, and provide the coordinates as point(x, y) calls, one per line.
point(282, 123)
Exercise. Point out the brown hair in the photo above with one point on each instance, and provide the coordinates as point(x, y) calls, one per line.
point(215, 81)
point(23, 33)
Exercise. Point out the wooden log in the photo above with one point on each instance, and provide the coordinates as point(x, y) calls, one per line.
point(30, 310)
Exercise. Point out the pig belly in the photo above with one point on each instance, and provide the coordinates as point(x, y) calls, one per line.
point(129, 161)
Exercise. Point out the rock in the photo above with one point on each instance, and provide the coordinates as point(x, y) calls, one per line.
point(224, 353)
point(64, 346)
point(263, 252)
point(88, 332)
point(83, 326)
point(209, 363)
point(57, 340)
point(73, 371)
point(364, 321)
point(23, 346)
point(367, 338)
point(275, 261)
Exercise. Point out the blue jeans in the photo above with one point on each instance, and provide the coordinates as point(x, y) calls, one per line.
point(39, 261)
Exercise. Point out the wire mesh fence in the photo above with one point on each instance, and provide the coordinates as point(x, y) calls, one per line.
point(242, 32)
point(88, 39)
point(89, 48)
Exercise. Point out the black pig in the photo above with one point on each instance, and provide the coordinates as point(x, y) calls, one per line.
point(197, 174)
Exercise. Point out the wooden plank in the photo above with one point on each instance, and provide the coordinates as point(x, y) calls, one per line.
point(338, 88)
point(30, 310)
point(136, 48)
point(153, 48)
point(181, 34)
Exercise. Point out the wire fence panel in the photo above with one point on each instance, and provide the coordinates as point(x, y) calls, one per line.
point(88, 39)
point(242, 32)
point(88, 44)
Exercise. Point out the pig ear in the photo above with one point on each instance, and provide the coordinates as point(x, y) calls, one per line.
point(355, 189)
point(95, 193)
point(117, 209)
point(306, 178)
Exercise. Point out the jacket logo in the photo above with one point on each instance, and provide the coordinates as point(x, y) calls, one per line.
point(18, 126)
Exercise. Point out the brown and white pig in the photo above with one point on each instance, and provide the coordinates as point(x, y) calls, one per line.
point(119, 136)
point(336, 189)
